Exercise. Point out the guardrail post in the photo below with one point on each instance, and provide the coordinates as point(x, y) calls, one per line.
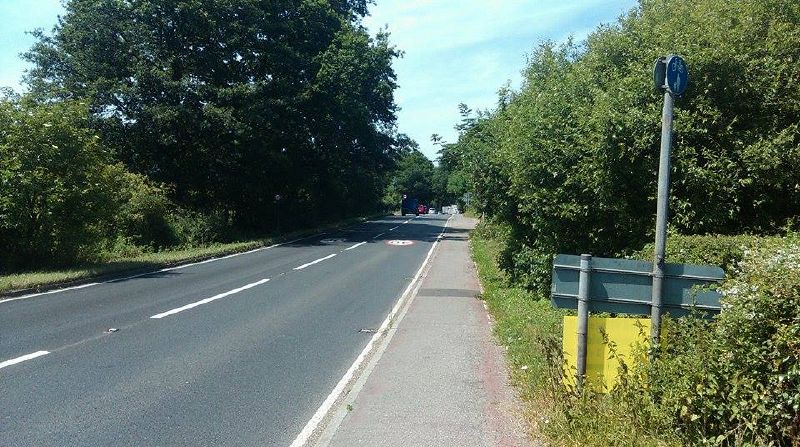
point(583, 317)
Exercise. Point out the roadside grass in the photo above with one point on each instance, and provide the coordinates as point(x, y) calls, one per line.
point(525, 324)
point(530, 328)
point(121, 265)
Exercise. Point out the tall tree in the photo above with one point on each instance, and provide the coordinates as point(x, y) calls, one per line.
point(569, 161)
point(231, 101)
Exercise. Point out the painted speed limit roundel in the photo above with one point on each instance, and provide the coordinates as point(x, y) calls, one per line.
point(399, 242)
point(331, 241)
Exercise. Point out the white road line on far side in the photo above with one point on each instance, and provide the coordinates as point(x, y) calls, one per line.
point(316, 261)
point(208, 300)
point(167, 269)
point(394, 228)
point(23, 358)
point(355, 246)
point(49, 292)
point(378, 235)
point(311, 426)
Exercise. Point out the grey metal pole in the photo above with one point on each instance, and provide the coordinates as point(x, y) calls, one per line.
point(583, 316)
point(661, 218)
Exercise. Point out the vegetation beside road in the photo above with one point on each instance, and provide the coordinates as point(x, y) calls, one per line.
point(152, 126)
point(569, 160)
point(568, 164)
point(733, 380)
point(528, 325)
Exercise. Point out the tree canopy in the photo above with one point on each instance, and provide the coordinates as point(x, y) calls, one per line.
point(232, 102)
point(152, 123)
point(569, 161)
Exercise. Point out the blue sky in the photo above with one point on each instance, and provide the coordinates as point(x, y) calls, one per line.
point(465, 50)
point(17, 17)
point(455, 50)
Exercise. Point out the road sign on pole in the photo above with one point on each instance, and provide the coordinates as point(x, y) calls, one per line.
point(677, 74)
point(674, 74)
point(624, 286)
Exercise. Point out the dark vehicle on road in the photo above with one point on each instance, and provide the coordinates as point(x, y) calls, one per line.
point(409, 206)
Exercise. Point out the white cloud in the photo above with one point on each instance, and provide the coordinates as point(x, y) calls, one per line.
point(465, 50)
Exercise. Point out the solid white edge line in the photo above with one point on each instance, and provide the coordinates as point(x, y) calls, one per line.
point(208, 300)
point(23, 358)
point(339, 412)
point(316, 261)
point(323, 409)
point(66, 289)
point(355, 246)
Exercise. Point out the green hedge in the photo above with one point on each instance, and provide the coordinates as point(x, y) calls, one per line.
point(744, 388)
point(732, 381)
point(64, 200)
point(721, 250)
point(570, 159)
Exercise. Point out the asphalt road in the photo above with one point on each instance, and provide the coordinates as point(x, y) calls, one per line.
point(239, 351)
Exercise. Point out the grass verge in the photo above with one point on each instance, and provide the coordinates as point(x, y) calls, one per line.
point(530, 328)
point(524, 323)
point(33, 281)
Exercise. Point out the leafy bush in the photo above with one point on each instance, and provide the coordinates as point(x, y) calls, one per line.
point(731, 381)
point(721, 250)
point(63, 198)
point(192, 228)
point(57, 184)
point(143, 216)
point(758, 355)
point(570, 160)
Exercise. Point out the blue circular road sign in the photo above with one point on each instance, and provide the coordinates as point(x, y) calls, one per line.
point(677, 75)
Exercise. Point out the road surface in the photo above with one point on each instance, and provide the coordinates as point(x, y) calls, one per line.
point(239, 351)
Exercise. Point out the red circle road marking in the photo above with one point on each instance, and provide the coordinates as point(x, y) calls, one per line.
point(399, 243)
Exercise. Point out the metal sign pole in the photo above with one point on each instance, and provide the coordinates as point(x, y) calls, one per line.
point(672, 75)
point(661, 218)
point(583, 317)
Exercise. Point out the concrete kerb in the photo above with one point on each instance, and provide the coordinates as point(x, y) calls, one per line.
point(326, 428)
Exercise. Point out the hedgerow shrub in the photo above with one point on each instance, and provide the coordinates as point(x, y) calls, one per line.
point(570, 160)
point(758, 353)
point(63, 197)
point(715, 249)
point(733, 381)
point(143, 216)
point(56, 184)
point(736, 380)
point(192, 228)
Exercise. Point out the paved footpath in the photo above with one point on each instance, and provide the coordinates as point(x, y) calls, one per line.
point(442, 379)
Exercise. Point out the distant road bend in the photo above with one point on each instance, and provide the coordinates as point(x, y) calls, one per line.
point(238, 351)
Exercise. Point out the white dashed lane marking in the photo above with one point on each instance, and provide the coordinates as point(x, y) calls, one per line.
point(23, 358)
point(316, 261)
point(208, 300)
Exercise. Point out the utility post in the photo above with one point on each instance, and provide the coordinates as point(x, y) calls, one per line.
point(671, 75)
point(583, 319)
point(278, 213)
